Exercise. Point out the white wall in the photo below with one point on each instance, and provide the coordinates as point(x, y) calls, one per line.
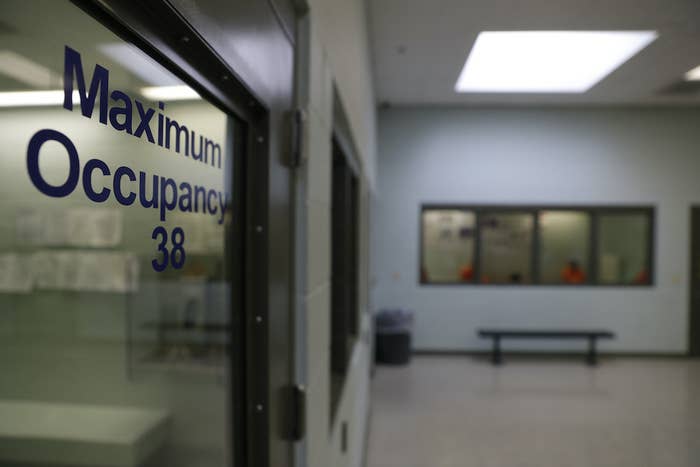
point(317, 75)
point(341, 27)
point(548, 156)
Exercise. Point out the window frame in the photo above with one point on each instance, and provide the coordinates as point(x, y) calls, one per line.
point(533, 242)
point(475, 247)
point(158, 30)
point(591, 262)
point(344, 267)
point(593, 210)
point(343, 150)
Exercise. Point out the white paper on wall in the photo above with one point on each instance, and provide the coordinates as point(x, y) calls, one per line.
point(86, 271)
point(15, 273)
point(90, 227)
point(67, 270)
point(44, 269)
point(28, 227)
point(39, 228)
point(106, 272)
point(83, 227)
point(610, 268)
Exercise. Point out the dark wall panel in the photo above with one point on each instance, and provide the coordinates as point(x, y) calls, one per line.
point(255, 39)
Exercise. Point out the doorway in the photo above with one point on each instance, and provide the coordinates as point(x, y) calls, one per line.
point(694, 314)
point(124, 304)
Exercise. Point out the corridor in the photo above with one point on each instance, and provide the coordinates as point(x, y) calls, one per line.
point(459, 411)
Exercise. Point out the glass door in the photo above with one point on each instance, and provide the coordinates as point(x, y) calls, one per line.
point(116, 244)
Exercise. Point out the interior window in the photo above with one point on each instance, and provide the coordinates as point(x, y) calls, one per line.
point(623, 248)
point(506, 247)
point(564, 247)
point(448, 245)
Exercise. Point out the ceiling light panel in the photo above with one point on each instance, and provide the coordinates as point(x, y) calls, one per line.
point(169, 93)
point(693, 75)
point(547, 61)
point(35, 98)
point(27, 71)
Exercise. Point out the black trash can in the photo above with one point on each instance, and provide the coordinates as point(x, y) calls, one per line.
point(393, 332)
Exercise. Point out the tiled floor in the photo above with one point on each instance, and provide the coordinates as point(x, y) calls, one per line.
point(462, 412)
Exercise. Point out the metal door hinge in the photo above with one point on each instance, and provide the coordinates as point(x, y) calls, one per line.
point(297, 413)
point(296, 134)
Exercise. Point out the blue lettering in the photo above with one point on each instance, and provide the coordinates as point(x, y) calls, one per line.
point(211, 206)
point(118, 193)
point(215, 152)
point(125, 111)
point(39, 138)
point(185, 197)
point(73, 69)
point(200, 190)
point(179, 131)
point(166, 183)
point(223, 201)
point(120, 112)
point(90, 166)
point(145, 125)
point(148, 203)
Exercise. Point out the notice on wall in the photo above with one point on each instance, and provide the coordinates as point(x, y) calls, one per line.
point(41, 228)
point(610, 268)
point(80, 227)
point(90, 227)
point(15, 273)
point(85, 271)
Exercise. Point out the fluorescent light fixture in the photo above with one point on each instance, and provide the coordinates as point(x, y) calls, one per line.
point(139, 64)
point(34, 98)
point(169, 93)
point(547, 61)
point(693, 75)
point(27, 71)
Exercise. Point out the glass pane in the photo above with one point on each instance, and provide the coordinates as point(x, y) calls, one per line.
point(564, 247)
point(115, 192)
point(623, 246)
point(506, 248)
point(448, 245)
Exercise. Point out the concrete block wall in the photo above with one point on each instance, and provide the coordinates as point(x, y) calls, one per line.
point(323, 445)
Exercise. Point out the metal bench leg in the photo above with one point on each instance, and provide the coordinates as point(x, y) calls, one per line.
point(496, 357)
point(592, 358)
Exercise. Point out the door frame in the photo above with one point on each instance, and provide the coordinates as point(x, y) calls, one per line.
point(694, 278)
point(160, 31)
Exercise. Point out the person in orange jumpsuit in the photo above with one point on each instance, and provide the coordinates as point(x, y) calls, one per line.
point(642, 277)
point(466, 273)
point(572, 273)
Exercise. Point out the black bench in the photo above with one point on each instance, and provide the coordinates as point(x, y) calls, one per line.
point(591, 335)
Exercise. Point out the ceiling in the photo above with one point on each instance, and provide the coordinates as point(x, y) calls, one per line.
point(419, 48)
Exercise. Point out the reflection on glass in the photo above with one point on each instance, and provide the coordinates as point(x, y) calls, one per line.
point(564, 247)
point(506, 248)
point(123, 364)
point(623, 248)
point(448, 245)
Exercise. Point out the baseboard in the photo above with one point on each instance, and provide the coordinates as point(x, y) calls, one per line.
point(549, 353)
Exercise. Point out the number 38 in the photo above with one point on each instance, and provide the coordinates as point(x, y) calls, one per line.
point(176, 255)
